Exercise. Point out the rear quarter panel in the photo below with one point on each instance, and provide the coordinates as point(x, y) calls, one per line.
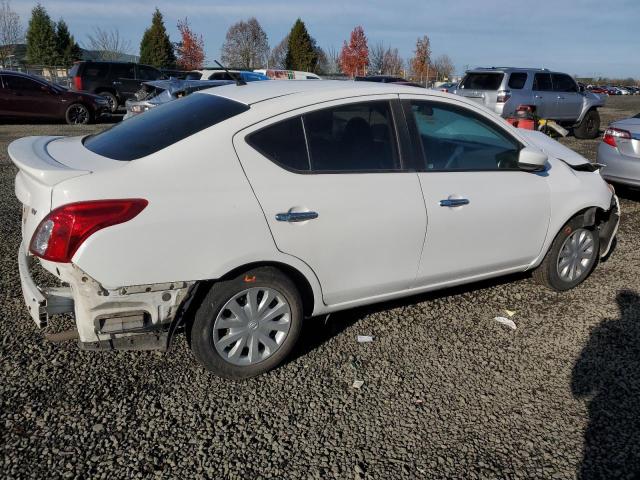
point(202, 219)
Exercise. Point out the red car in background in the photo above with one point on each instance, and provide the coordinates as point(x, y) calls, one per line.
point(26, 97)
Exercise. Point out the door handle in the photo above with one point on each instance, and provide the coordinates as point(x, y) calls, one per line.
point(117, 83)
point(560, 97)
point(454, 202)
point(539, 97)
point(293, 217)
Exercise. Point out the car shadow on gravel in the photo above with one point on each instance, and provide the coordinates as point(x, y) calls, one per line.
point(318, 330)
point(607, 376)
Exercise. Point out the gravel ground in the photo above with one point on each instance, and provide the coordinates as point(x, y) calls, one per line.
point(447, 393)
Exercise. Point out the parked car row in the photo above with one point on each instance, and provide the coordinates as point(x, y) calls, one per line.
point(331, 184)
point(614, 90)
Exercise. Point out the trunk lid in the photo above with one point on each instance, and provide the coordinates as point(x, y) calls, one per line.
point(43, 163)
point(629, 147)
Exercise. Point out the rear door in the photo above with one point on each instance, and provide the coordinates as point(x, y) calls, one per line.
point(568, 98)
point(544, 98)
point(124, 79)
point(30, 98)
point(332, 186)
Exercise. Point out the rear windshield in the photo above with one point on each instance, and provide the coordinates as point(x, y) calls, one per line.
point(482, 81)
point(162, 126)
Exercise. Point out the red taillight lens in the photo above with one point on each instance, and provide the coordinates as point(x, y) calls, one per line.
point(610, 135)
point(503, 96)
point(77, 82)
point(62, 232)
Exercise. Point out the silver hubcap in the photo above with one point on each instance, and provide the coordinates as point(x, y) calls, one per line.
point(252, 326)
point(576, 255)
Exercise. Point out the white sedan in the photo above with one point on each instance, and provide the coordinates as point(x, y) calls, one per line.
point(238, 211)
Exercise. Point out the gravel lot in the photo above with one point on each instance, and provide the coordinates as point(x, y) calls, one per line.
point(448, 392)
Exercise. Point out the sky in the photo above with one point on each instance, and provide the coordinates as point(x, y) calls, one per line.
point(580, 37)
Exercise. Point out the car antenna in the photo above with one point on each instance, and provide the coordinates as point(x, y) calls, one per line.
point(237, 78)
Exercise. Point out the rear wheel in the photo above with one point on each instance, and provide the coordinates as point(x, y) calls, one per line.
point(571, 258)
point(247, 325)
point(77, 114)
point(589, 127)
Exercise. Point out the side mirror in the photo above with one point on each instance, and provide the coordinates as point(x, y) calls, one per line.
point(532, 160)
point(581, 88)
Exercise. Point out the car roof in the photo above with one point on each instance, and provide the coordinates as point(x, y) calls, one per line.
point(255, 92)
point(510, 70)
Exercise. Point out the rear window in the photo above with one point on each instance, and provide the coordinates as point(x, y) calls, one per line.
point(517, 80)
point(482, 81)
point(162, 126)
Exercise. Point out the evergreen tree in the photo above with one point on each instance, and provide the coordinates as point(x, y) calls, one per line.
point(41, 38)
point(302, 53)
point(66, 47)
point(155, 48)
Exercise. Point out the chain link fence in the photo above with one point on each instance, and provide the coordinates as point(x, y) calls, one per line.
point(54, 74)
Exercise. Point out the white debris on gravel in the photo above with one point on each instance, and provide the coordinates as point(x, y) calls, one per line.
point(506, 322)
point(357, 384)
point(365, 338)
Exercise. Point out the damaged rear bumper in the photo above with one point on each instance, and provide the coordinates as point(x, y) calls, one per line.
point(135, 317)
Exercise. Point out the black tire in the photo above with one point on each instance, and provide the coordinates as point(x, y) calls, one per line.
point(112, 99)
point(589, 127)
point(201, 332)
point(78, 114)
point(547, 272)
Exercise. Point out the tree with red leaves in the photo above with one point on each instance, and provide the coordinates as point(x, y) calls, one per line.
point(190, 49)
point(354, 57)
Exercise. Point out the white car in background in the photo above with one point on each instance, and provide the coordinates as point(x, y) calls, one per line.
point(241, 210)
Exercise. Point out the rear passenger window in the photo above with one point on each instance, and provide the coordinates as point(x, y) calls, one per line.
point(353, 137)
point(283, 143)
point(122, 70)
point(542, 82)
point(517, 80)
point(98, 70)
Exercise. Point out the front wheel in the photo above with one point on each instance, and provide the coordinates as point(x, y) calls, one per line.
point(589, 127)
point(77, 114)
point(111, 99)
point(247, 325)
point(571, 258)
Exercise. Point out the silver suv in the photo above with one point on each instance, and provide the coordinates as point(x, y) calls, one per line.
point(554, 95)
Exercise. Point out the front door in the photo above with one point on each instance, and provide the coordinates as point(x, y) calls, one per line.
point(485, 216)
point(568, 99)
point(124, 79)
point(332, 186)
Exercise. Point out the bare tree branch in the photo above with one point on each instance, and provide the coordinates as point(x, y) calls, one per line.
point(376, 58)
point(10, 30)
point(108, 44)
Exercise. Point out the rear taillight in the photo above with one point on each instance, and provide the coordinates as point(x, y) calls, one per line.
point(77, 82)
point(610, 135)
point(62, 232)
point(503, 96)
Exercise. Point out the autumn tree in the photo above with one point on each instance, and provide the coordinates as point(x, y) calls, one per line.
point(443, 65)
point(278, 55)
point(108, 44)
point(246, 45)
point(41, 38)
point(354, 56)
point(302, 53)
point(155, 48)
point(66, 46)
point(421, 61)
point(10, 30)
point(190, 49)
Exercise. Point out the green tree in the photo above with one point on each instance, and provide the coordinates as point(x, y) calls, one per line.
point(302, 53)
point(66, 46)
point(155, 48)
point(41, 38)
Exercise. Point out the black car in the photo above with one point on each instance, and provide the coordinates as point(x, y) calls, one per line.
point(380, 78)
point(115, 81)
point(27, 97)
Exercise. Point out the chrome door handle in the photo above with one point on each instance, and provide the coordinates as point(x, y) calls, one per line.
point(296, 216)
point(539, 96)
point(560, 97)
point(454, 202)
point(116, 83)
